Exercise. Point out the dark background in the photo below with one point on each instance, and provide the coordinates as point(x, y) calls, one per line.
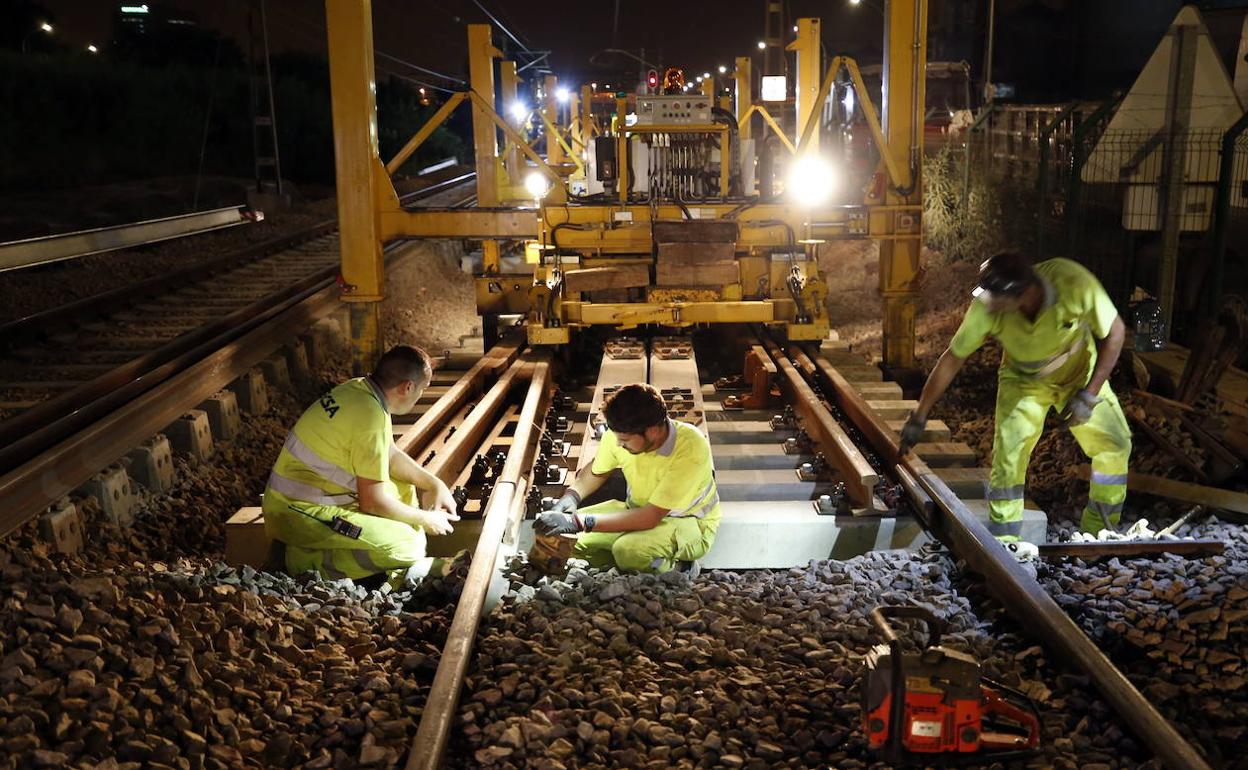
point(143, 105)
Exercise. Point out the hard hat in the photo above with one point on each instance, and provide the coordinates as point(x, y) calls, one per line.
point(1006, 274)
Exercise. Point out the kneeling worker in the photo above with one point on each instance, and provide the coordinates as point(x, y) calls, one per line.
point(672, 510)
point(1061, 338)
point(342, 496)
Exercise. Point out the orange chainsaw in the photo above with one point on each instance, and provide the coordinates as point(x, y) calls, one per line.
point(935, 707)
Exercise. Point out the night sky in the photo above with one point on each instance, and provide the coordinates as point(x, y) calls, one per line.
point(696, 34)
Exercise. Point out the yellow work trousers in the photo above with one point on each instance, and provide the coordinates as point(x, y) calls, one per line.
point(672, 540)
point(384, 545)
point(1105, 438)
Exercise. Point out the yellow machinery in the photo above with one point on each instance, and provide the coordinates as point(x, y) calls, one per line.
point(643, 208)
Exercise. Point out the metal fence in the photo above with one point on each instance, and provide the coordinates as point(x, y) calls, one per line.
point(1101, 197)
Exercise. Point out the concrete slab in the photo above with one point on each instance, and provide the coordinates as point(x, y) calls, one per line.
point(61, 526)
point(791, 534)
point(944, 454)
point(876, 391)
point(755, 456)
point(860, 372)
point(1035, 522)
point(892, 409)
point(151, 463)
point(935, 430)
point(966, 483)
point(768, 484)
point(747, 432)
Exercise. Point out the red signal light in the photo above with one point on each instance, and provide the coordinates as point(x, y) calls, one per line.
point(652, 79)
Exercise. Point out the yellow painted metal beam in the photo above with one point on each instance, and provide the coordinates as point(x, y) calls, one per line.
point(508, 88)
point(810, 97)
point(771, 123)
point(356, 157)
point(550, 118)
point(905, 75)
point(481, 55)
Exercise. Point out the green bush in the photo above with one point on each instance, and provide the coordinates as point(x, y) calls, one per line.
point(970, 217)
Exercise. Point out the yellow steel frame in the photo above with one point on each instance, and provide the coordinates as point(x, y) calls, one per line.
point(370, 213)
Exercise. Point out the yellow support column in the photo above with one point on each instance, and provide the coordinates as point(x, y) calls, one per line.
point(550, 105)
point(745, 98)
point(905, 71)
point(481, 55)
point(809, 75)
point(356, 157)
point(508, 88)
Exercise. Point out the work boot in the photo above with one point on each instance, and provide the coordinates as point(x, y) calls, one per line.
point(690, 568)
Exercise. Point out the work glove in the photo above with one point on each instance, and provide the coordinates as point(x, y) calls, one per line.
point(557, 523)
point(567, 504)
point(1079, 408)
point(912, 431)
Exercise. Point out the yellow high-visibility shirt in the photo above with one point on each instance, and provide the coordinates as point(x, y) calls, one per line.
point(345, 434)
point(678, 475)
point(1075, 313)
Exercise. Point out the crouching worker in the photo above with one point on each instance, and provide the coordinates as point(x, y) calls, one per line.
point(672, 511)
point(342, 496)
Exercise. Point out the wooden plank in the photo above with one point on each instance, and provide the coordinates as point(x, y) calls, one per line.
point(1195, 549)
point(892, 409)
point(943, 454)
point(599, 278)
point(699, 253)
point(935, 430)
point(1232, 387)
point(717, 274)
point(1211, 497)
point(694, 230)
point(876, 391)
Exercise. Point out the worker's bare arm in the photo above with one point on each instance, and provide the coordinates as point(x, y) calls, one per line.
point(938, 382)
point(404, 468)
point(1107, 352)
point(376, 501)
point(587, 482)
point(632, 520)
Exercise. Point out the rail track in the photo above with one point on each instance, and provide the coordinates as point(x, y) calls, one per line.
point(832, 448)
point(85, 383)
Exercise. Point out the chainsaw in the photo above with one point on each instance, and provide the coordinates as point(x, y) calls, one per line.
point(935, 707)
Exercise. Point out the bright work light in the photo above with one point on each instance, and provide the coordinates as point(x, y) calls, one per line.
point(562, 94)
point(519, 111)
point(811, 181)
point(537, 184)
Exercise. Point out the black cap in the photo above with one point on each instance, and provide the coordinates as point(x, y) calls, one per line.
point(1007, 274)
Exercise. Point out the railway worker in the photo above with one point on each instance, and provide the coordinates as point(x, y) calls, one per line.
point(342, 496)
point(671, 512)
point(1061, 337)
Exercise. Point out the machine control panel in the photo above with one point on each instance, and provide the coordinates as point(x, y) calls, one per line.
point(691, 110)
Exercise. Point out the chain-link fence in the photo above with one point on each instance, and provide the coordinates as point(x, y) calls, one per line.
point(1117, 201)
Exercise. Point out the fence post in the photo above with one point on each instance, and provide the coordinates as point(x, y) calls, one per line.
point(966, 165)
point(1222, 208)
point(1078, 157)
point(1042, 175)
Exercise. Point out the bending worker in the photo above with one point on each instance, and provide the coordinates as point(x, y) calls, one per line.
point(342, 496)
point(1061, 338)
point(672, 511)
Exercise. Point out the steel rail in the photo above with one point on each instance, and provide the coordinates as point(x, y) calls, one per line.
point(416, 437)
point(434, 730)
point(36, 325)
point(852, 468)
point(960, 529)
point(30, 488)
point(46, 249)
point(454, 455)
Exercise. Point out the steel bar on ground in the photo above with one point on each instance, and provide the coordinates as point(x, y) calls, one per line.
point(1024, 598)
point(457, 451)
point(443, 699)
point(1095, 550)
point(83, 243)
point(854, 470)
point(29, 489)
point(416, 437)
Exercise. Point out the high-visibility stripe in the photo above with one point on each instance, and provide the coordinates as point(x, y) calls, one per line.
point(1109, 479)
point(998, 528)
point(657, 562)
point(323, 468)
point(1104, 509)
point(700, 513)
point(706, 491)
point(1047, 366)
point(1006, 493)
point(306, 493)
point(364, 558)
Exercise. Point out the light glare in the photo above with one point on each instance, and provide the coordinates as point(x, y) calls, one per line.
point(762, 45)
point(537, 184)
point(811, 181)
point(562, 94)
point(519, 111)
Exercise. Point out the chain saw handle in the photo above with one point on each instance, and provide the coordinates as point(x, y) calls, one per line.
point(880, 617)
